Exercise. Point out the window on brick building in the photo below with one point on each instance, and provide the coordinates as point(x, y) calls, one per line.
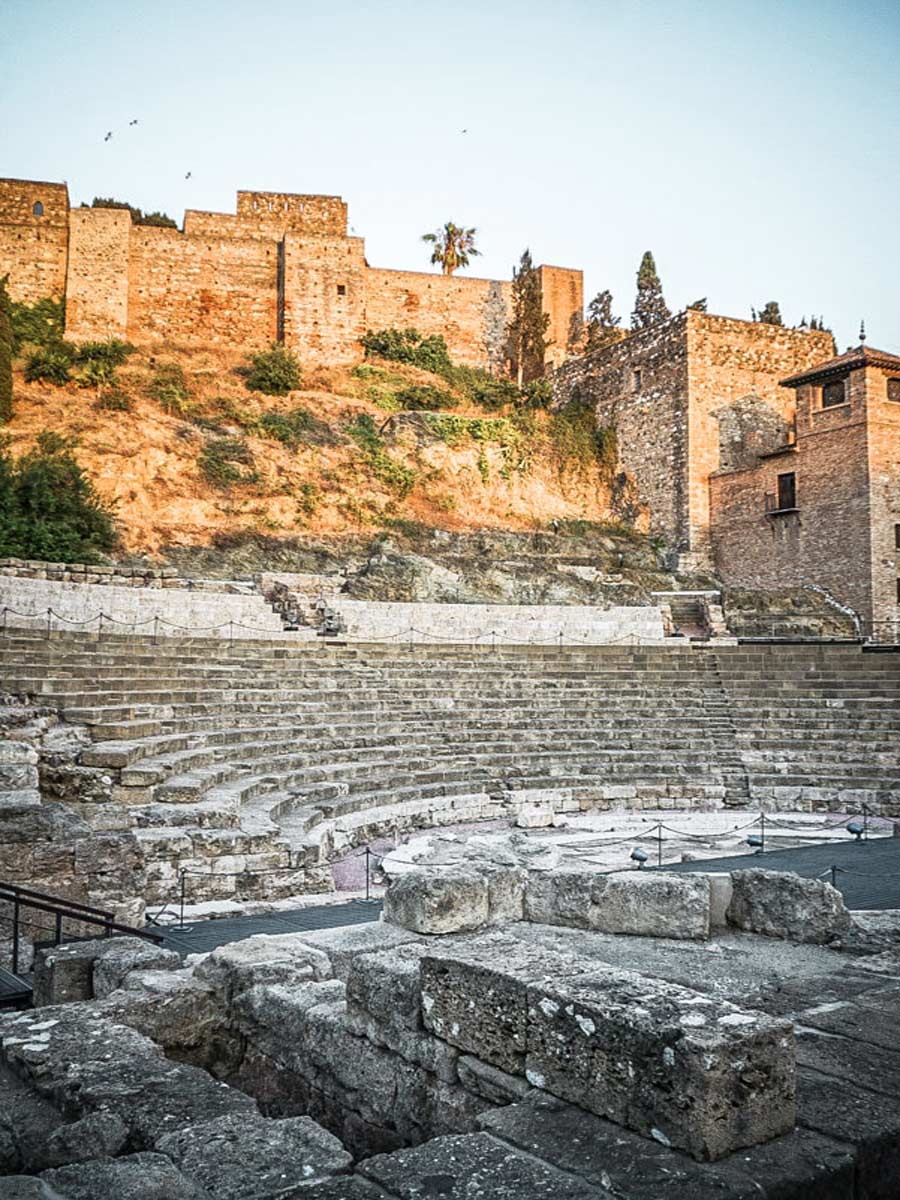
point(893, 390)
point(787, 490)
point(897, 537)
point(37, 208)
point(342, 289)
point(636, 379)
point(833, 393)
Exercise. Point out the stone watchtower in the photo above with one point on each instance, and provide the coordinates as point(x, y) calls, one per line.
point(823, 507)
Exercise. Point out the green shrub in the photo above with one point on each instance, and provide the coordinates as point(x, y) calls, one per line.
point(514, 438)
point(480, 387)
point(51, 363)
point(538, 393)
point(6, 354)
point(168, 387)
point(49, 508)
point(113, 352)
point(275, 371)
point(221, 459)
point(308, 499)
point(398, 477)
point(409, 346)
point(296, 428)
point(114, 400)
point(39, 324)
point(160, 220)
point(425, 397)
point(579, 444)
point(96, 373)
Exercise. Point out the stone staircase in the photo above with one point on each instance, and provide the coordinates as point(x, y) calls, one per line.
point(254, 765)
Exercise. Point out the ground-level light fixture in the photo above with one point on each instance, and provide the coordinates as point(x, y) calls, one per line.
point(639, 856)
point(757, 841)
point(856, 828)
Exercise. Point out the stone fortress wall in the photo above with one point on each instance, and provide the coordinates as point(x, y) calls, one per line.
point(281, 267)
point(664, 390)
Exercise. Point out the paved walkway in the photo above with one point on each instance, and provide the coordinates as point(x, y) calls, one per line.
point(868, 873)
point(203, 936)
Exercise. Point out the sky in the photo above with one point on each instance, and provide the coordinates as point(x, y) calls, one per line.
point(753, 147)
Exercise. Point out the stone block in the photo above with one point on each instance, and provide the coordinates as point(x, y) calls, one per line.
point(506, 893)
point(783, 905)
point(64, 974)
point(117, 956)
point(470, 1166)
point(247, 1154)
point(690, 1071)
point(136, 1177)
point(492, 1084)
point(535, 816)
point(347, 942)
point(720, 893)
point(652, 904)
point(282, 959)
point(386, 986)
point(454, 900)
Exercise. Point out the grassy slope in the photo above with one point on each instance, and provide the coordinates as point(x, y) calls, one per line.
point(146, 460)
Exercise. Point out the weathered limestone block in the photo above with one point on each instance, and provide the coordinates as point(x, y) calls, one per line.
point(63, 974)
point(506, 893)
point(116, 957)
point(283, 959)
point(420, 1049)
point(783, 905)
point(244, 1154)
point(273, 1016)
point(455, 900)
point(471, 1165)
point(344, 944)
point(143, 1176)
point(690, 1071)
point(18, 773)
point(535, 816)
point(385, 986)
point(651, 904)
point(475, 996)
point(491, 1083)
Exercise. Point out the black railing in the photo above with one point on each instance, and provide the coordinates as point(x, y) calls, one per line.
point(61, 909)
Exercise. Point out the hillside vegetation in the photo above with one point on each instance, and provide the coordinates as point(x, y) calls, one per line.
point(188, 446)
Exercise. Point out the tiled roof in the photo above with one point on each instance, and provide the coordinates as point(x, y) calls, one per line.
point(850, 360)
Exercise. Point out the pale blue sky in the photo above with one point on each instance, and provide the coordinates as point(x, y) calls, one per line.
point(754, 147)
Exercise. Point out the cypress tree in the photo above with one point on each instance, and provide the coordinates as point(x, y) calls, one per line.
point(527, 329)
point(650, 307)
point(6, 354)
point(770, 314)
point(602, 326)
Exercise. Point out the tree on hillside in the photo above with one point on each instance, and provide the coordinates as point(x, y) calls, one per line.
point(769, 315)
point(160, 220)
point(650, 307)
point(6, 353)
point(453, 247)
point(48, 507)
point(602, 326)
point(527, 330)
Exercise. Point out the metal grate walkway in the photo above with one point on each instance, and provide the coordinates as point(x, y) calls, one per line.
point(868, 872)
point(203, 936)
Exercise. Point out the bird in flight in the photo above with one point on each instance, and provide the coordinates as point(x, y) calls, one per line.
point(464, 131)
point(134, 122)
point(108, 136)
point(188, 175)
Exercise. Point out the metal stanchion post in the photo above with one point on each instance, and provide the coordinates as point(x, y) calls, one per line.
point(49, 612)
point(493, 639)
point(762, 830)
point(155, 630)
point(181, 927)
point(659, 845)
point(367, 872)
point(100, 627)
point(834, 872)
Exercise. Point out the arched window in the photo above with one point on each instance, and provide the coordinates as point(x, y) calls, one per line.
point(37, 208)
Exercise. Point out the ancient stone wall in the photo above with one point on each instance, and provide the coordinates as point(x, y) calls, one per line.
point(662, 388)
point(212, 290)
point(883, 420)
point(33, 243)
point(279, 268)
point(471, 314)
point(639, 387)
point(842, 533)
point(97, 274)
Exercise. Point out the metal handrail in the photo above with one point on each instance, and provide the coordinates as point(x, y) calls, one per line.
point(63, 909)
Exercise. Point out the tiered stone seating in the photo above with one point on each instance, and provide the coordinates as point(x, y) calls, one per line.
point(274, 758)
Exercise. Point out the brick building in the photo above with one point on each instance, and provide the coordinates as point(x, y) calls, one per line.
point(281, 267)
point(818, 502)
point(662, 390)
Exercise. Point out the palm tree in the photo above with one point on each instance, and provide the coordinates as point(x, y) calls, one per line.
point(453, 247)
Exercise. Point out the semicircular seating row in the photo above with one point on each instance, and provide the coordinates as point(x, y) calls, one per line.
point(257, 765)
